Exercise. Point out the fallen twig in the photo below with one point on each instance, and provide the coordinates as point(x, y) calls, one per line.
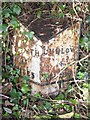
point(74, 62)
point(32, 22)
point(1, 95)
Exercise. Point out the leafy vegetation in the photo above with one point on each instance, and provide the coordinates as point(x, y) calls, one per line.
point(17, 101)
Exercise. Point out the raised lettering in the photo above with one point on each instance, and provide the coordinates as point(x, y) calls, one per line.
point(57, 51)
point(32, 52)
point(67, 50)
point(45, 51)
point(62, 51)
point(72, 49)
point(61, 63)
point(36, 53)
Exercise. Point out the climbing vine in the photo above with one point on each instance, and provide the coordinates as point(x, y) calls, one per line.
point(17, 101)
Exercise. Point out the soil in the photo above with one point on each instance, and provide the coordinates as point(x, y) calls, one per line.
point(45, 27)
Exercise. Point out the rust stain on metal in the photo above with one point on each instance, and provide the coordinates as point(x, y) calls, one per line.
point(42, 61)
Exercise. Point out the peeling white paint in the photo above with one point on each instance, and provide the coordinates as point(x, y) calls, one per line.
point(35, 68)
point(52, 61)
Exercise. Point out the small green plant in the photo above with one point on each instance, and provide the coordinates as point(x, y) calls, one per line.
point(29, 35)
point(17, 87)
point(77, 115)
point(80, 75)
point(60, 97)
point(85, 42)
point(45, 76)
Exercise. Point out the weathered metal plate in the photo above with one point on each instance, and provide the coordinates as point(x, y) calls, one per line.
point(43, 61)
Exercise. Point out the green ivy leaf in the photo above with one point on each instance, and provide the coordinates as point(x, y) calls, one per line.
point(84, 42)
point(61, 15)
point(88, 86)
point(5, 114)
point(16, 107)
point(37, 95)
point(3, 27)
point(25, 78)
point(78, 8)
point(68, 107)
point(85, 85)
point(73, 101)
point(45, 75)
point(8, 57)
point(18, 71)
point(58, 106)
point(16, 9)
point(62, 7)
point(60, 97)
point(15, 94)
point(29, 35)
point(72, 11)
point(88, 19)
point(84, 39)
point(6, 13)
point(77, 115)
point(80, 75)
point(25, 101)
point(25, 88)
point(14, 23)
point(47, 105)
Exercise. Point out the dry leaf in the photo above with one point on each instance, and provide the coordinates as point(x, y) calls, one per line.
point(7, 103)
point(67, 115)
